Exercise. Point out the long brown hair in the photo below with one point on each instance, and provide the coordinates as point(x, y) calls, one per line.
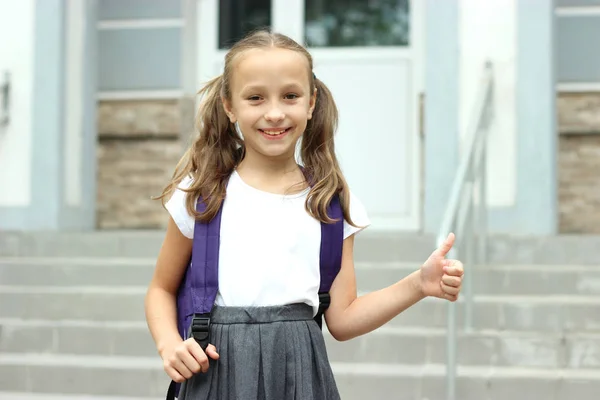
point(218, 149)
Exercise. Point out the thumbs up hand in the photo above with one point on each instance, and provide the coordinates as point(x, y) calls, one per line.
point(441, 277)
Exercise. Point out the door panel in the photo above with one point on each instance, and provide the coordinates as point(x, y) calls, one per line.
point(367, 53)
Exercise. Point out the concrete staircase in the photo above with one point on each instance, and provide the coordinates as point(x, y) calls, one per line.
point(72, 326)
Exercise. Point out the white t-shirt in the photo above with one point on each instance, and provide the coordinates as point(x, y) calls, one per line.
point(269, 246)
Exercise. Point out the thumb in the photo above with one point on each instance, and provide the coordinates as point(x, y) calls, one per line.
point(445, 246)
point(211, 351)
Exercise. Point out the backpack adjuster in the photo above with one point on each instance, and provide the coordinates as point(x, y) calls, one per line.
point(200, 329)
point(324, 302)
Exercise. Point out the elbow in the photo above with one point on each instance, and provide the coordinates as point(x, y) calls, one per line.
point(155, 291)
point(340, 335)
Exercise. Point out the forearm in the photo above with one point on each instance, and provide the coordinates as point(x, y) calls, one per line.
point(371, 311)
point(161, 316)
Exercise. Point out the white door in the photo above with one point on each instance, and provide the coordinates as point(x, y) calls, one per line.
point(368, 54)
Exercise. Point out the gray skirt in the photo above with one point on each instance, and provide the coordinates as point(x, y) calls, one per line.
point(265, 353)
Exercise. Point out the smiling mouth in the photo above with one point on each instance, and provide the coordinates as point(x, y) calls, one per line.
point(275, 132)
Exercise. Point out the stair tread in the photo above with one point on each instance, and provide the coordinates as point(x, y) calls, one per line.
point(51, 396)
point(340, 368)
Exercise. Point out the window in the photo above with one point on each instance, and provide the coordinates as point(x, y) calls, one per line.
point(344, 23)
point(237, 18)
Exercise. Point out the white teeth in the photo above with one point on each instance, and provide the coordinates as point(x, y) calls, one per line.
point(273, 133)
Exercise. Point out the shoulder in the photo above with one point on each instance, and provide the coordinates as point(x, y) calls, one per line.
point(176, 206)
point(358, 214)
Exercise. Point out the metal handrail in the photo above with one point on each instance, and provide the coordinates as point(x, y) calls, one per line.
point(466, 215)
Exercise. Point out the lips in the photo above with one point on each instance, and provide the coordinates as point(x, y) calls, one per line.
point(274, 131)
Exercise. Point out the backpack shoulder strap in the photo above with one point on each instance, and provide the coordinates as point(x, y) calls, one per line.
point(200, 285)
point(205, 261)
point(330, 261)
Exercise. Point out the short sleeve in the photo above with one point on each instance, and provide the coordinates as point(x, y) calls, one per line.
point(178, 210)
point(359, 216)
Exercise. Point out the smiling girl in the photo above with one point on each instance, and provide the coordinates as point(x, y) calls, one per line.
point(258, 247)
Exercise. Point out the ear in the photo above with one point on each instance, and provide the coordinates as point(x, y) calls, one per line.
point(312, 104)
point(228, 110)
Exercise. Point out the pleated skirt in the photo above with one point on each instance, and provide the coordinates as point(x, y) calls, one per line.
point(266, 353)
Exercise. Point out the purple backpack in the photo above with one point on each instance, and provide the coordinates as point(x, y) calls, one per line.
point(200, 284)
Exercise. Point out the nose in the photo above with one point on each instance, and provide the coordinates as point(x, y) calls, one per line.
point(274, 114)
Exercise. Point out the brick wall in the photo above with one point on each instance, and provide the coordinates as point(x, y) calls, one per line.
point(139, 144)
point(579, 163)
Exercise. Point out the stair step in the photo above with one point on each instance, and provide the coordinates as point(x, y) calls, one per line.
point(76, 271)
point(46, 396)
point(371, 245)
point(144, 377)
point(126, 303)
point(482, 348)
point(386, 345)
point(405, 382)
point(122, 272)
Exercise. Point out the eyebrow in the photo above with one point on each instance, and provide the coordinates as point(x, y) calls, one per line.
point(255, 88)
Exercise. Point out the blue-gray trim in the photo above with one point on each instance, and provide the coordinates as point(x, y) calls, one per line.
point(47, 210)
point(47, 123)
point(536, 205)
point(537, 199)
point(83, 217)
point(441, 107)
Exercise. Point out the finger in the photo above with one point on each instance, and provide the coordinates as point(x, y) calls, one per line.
point(453, 291)
point(454, 267)
point(211, 351)
point(446, 245)
point(198, 354)
point(450, 297)
point(454, 281)
point(181, 368)
point(186, 357)
point(174, 375)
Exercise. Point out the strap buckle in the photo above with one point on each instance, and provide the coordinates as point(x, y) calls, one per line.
point(200, 329)
point(324, 302)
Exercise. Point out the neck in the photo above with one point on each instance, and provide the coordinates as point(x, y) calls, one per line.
point(268, 166)
point(271, 174)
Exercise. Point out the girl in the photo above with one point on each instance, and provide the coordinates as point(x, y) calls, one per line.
point(264, 342)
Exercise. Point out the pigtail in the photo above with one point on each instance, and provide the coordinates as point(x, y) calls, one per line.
point(320, 161)
point(213, 156)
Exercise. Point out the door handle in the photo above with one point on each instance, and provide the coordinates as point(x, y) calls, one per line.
point(5, 100)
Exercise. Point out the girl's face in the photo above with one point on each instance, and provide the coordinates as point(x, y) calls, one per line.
point(270, 100)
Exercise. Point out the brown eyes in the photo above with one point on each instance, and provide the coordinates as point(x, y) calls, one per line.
point(289, 96)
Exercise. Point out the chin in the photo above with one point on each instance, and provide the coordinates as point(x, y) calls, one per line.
point(278, 153)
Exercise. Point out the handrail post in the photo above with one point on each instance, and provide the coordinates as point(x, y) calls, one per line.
point(451, 353)
point(468, 219)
